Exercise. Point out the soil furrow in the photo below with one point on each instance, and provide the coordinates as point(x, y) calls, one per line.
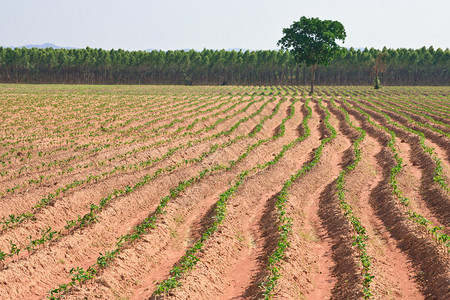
point(309, 270)
point(394, 277)
point(431, 267)
point(346, 271)
point(76, 202)
point(416, 179)
point(438, 139)
point(416, 110)
point(105, 154)
point(154, 153)
point(102, 163)
point(100, 237)
point(261, 153)
point(94, 140)
point(243, 242)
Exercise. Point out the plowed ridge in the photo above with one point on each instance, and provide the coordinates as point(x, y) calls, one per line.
point(122, 192)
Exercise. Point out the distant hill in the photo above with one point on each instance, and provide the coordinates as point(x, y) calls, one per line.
point(228, 49)
point(236, 49)
point(185, 50)
point(42, 46)
point(50, 45)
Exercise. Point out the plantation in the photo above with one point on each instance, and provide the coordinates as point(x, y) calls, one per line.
point(229, 192)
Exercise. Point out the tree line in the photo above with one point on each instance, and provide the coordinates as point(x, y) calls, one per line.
point(424, 66)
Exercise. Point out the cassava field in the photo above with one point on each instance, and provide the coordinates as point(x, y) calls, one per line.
point(148, 192)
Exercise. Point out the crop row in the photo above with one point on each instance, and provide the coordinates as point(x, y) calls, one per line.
point(76, 111)
point(416, 108)
point(13, 220)
point(189, 260)
point(155, 118)
point(105, 162)
point(416, 217)
point(152, 114)
point(80, 275)
point(360, 236)
point(285, 222)
point(411, 112)
point(438, 172)
point(90, 217)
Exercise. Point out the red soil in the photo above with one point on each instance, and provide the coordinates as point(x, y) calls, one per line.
point(320, 262)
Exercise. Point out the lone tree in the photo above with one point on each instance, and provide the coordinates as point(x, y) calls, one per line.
point(379, 66)
point(313, 42)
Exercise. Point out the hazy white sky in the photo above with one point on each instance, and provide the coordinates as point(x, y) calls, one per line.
point(198, 24)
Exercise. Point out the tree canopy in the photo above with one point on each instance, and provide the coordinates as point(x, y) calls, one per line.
point(424, 66)
point(313, 42)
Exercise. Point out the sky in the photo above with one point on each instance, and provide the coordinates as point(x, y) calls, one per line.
point(211, 24)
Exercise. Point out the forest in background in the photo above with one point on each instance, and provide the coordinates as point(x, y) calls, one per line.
point(424, 66)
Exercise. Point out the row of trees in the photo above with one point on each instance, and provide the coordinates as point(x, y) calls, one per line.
point(425, 66)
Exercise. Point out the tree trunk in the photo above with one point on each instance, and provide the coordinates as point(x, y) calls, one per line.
point(313, 75)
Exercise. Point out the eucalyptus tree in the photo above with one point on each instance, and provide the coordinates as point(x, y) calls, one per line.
point(403, 67)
